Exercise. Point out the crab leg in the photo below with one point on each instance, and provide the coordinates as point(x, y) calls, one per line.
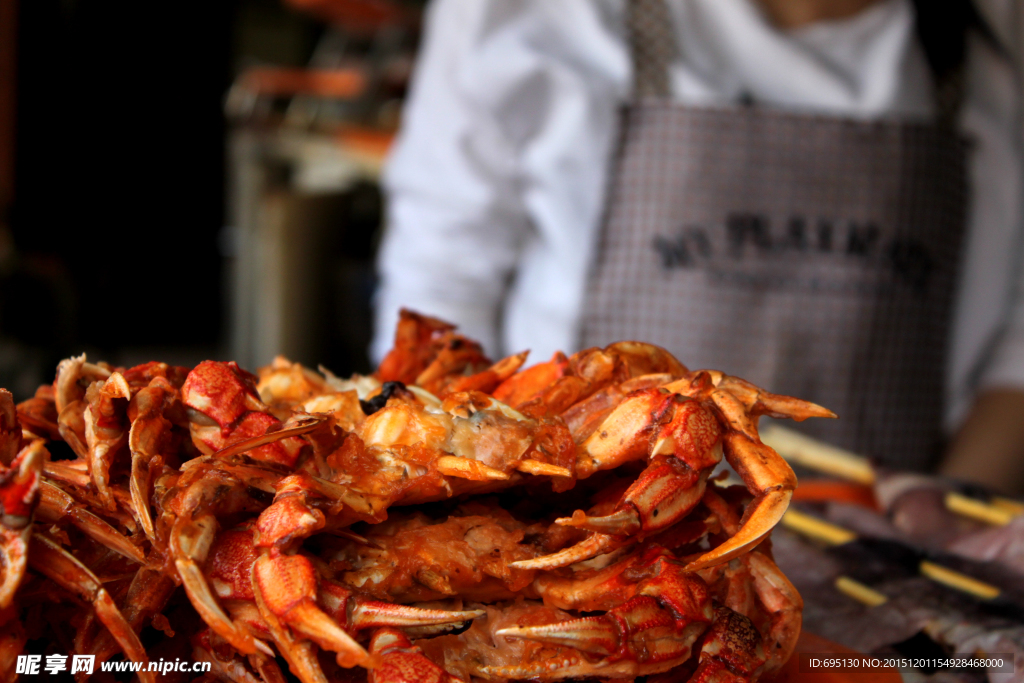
point(523, 386)
point(38, 417)
point(148, 438)
point(140, 485)
point(105, 433)
point(377, 614)
point(19, 495)
point(771, 479)
point(194, 540)
point(147, 595)
point(325, 612)
point(55, 504)
point(66, 386)
point(191, 537)
point(301, 425)
point(783, 601)
point(300, 654)
point(489, 379)
point(52, 561)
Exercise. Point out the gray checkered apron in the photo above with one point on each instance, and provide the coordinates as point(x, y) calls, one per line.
point(813, 255)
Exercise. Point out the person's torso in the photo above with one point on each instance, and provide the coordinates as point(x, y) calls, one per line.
point(870, 67)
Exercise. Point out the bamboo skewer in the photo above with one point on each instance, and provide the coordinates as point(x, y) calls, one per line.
point(815, 528)
point(832, 534)
point(813, 454)
point(979, 510)
point(958, 581)
point(859, 592)
point(1012, 506)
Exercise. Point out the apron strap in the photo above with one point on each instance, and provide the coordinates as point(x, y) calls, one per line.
point(652, 45)
point(942, 27)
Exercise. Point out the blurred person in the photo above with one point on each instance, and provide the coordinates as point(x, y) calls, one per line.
point(820, 196)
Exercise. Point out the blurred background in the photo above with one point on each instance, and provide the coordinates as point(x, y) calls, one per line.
point(164, 169)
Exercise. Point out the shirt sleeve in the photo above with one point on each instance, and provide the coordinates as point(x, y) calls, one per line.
point(988, 349)
point(455, 218)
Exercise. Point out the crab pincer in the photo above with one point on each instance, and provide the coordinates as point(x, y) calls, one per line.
point(683, 429)
point(301, 606)
point(225, 410)
point(654, 613)
point(683, 442)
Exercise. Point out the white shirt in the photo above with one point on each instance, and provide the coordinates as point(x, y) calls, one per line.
point(496, 184)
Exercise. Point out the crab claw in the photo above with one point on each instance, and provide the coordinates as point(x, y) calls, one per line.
point(771, 479)
point(226, 416)
point(637, 638)
point(300, 654)
point(287, 585)
point(190, 544)
point(757, 401)
point(19, 495)
point(655, 612)
point(399, 661)
point(683, 439)
point(194, 544)
point(663, 494)
point(740, 403)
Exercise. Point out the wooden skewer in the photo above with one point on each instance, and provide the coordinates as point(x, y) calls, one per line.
point(829, 533)
point(1012, 506)
point(815, 528)
point(976, 509)
point(816, 455)
point(813, 454)
point(960, 582)
point(859, 592)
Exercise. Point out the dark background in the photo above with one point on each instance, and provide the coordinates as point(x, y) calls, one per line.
point(112, 235)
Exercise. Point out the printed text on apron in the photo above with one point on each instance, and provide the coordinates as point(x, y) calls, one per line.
point(814, 256)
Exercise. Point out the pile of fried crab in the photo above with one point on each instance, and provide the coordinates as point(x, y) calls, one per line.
point(444, 519)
